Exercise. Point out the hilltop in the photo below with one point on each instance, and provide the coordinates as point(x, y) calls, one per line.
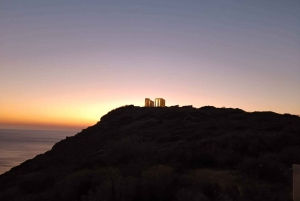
point(170, 153)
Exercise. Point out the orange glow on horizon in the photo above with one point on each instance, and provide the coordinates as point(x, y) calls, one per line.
point(62, 116)
point(81, 114)
point(41, 126)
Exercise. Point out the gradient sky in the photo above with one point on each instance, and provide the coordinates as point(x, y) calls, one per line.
point(68, 62)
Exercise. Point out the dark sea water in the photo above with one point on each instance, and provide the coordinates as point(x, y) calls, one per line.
point(17, 146)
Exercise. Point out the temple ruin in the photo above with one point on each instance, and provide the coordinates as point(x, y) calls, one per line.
point(149, 103)
point(159, 102)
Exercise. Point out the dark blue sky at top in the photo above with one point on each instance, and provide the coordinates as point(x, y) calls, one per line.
point(270, 24)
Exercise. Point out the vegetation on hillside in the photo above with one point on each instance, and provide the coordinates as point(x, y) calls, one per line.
point(137, 154)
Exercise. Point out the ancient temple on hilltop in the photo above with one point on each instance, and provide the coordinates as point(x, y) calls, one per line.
point(158, 102)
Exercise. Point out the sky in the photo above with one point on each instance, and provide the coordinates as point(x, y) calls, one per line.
point(66, 63)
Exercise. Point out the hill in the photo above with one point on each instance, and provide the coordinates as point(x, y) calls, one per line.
point(171, 153)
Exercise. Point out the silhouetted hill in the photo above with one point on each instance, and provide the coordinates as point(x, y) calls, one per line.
point(172, 153)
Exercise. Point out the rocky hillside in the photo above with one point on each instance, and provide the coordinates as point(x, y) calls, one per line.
point(172, 153)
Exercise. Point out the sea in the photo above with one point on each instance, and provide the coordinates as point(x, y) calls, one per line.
point(17, 146)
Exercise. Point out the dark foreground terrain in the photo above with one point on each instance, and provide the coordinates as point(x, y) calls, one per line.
point(174, 153)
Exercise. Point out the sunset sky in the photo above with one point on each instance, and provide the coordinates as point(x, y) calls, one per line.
point(66, 63)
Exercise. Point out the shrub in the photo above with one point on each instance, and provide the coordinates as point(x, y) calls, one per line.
point(34, 183)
